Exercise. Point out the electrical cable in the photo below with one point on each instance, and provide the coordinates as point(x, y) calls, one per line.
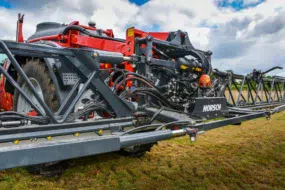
point(159, 126)
point(155, 115)
point(172, 123)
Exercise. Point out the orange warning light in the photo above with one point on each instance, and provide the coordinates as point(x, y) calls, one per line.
point(205, 81)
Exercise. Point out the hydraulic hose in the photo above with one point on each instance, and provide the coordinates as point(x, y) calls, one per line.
point(86, 32)
point(273, 68)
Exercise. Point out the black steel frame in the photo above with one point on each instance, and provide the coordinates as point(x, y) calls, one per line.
point(84, 64)
point(261, 92)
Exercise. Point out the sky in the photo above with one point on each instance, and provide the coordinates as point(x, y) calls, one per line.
point(242, 34)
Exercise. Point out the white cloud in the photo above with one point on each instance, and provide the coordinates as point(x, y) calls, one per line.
point(113, 14)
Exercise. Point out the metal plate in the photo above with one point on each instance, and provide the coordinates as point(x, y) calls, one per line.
point(69, 78)
point(209, 107)
point(36, 153)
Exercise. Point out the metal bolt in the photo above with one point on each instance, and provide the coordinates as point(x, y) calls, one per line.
point(100, 131)
point(192, 138)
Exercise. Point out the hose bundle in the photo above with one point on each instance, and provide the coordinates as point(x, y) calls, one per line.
point(89, 108)
point(15, 116)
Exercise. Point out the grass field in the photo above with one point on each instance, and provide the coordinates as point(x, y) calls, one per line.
point(250, 156)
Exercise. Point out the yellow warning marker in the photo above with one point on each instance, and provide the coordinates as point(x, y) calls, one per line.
point(100, 132)
point(76, 134)
point(183, 67)
point(131, 32)
point(49, 138)
point(16, 141)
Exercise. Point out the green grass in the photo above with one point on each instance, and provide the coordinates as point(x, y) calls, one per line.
point(250, 156)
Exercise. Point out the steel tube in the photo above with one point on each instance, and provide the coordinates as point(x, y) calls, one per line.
point(37, 128)
point(50, 151)
point(75, 100)
point(67, 99)
point(27, 81)
point(144, 138)
point(229, 121)
point(60, 132)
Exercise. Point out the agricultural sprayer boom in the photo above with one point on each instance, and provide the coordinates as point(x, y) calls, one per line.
point(66, 94)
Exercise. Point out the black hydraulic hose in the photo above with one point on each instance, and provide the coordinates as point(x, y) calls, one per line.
point(172, 123)
point(155, 116)
point(161, 53)
point(156, 94)
point(17, 118)
point(90, 107)
point(138, 75)
point(12, 112)
point(221, 73)
point(273, 68)
point(85, 112)
point(134, 74)
point(134, 78)
point(159, 68)
point(113, 73)
point(140, 127)
point(118, 79)
point(164, 102)
point(205, 62)
point(159, 126)
point(73, 27)
point(16, 115)
point(84, 31)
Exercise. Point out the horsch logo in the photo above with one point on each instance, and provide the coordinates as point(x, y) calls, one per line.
point(213, 107)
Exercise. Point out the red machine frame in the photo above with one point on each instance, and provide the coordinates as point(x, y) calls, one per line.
point(74, 40)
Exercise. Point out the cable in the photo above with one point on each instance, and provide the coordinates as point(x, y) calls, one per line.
point(11, 115)
point(140, 127)
point(161, 53)
point(146, 91)
point(116, 70)
point(84, 31)
point(160, 68)
point(159, 126)
point(158, 96)
point(134, 74)
point(155, 115)
point(172, 123)
point(92, 106)
point(134, 78)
